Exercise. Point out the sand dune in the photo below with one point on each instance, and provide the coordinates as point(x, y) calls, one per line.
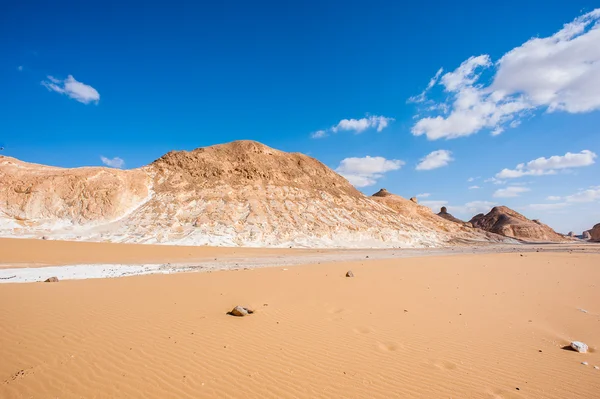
point(466, 326)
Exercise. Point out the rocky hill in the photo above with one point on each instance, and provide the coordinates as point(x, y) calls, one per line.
point(238, 194)
point(509, 223)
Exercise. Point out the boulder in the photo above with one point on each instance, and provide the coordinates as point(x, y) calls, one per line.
point(51, 280)
point(349, 274)
point(595, 233)
point(415, 200)
point(586, 235)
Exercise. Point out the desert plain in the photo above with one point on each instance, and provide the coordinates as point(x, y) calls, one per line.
point(453, 324)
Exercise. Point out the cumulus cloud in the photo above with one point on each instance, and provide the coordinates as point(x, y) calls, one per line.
point(355, 125)
point(493, 180)
point(435, 205)
point(509, 192)
point(73, 89)
point(555, 73)
point(549, 166)
point(364, 172)
point(319, 134)
point(589, 195)
point(435, 159)
point(466, 210)
point(115, 162)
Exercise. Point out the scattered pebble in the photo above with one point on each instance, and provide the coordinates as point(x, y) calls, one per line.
point(51, 280)
point(597, 368)
point(584, 363)
point(579, 346)
point(349, 274)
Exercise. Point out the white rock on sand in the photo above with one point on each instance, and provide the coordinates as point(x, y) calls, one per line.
point(579, 346)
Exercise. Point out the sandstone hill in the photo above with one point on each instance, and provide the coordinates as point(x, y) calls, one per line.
point(238, 194)
point(505, 221)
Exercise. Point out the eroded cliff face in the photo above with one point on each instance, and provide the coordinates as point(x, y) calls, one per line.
point(242, 193)
point(507, 222)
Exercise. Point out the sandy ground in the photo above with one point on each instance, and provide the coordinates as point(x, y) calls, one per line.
point(463, 326)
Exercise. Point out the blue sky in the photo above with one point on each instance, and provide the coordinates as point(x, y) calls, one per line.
point(343, 81)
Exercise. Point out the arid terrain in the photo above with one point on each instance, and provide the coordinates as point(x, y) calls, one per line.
point(484, 325)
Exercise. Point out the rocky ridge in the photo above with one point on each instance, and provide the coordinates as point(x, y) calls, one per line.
point(507, 222)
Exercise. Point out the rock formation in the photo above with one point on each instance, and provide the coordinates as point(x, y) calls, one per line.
point(595, 233)
point(238, 194)
point(586, 235)
point(505, 221)
point(444, 213)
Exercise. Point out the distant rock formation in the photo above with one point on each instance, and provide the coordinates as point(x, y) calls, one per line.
point(505, 221)
point(237, 194)
point(595, 233)
point(586, 235)
point(414, 199)
point(444, 213)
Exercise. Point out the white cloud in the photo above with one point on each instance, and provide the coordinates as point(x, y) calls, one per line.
point(356, 125)
point(549, 166)
point(553, 198)
point(422, 97)
point(470, 179)
point(493, 180)
point(115, 162)
point(435, 159)
point(20, 68)
point(434, 205)
point(72, 88)
point(363, 172)
point(473, 208)
point(509, 192)
point(548, 207)
point(423, 195)
point(474, 187)
point(590, 195)
point(467, 210)
point(557, 73)
point(319, 134)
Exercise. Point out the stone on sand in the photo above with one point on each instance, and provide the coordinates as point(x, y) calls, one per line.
point(51, 280)
point(579, 346)
point(349, 274)
point(241, 311)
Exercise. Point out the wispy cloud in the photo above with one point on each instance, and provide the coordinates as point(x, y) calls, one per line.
point(549, 166)
point(556, 73)
point(423, 195)
point(115, 162)
point(474, 187)
point(511, 191)
point(20, 68)
point(364, 172)
point(73, 89)
point(356, 126)
point(435, 159)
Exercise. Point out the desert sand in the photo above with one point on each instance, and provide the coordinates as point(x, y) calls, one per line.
point(464, 326)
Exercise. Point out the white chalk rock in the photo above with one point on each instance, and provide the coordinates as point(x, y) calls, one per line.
point(579, 346)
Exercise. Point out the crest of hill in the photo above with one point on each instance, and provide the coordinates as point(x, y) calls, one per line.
point(507, 222)
point(248, 163)
point(444, 214)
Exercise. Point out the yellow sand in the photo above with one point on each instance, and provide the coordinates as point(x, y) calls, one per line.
point(467, 326)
